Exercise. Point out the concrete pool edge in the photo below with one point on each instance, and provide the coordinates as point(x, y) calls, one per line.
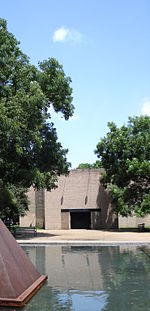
point(87, 237)
point(83, 243)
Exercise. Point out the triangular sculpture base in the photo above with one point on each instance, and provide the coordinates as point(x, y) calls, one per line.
point(19, 279)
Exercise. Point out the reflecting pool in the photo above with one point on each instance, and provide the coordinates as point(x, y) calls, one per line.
point(114, 278)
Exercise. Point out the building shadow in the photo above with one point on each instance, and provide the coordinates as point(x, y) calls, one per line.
point(108, 217)
point(27, 236)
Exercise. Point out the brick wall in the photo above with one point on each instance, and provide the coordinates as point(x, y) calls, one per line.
point(80, 190)
point(30, 218)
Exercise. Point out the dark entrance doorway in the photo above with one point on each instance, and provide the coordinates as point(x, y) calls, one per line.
point(80, 220)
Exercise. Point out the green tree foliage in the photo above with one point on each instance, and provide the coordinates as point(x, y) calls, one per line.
point(97, 164)
point(84, 166)
point(30, 153)
point(125, 156)
point(13, 202)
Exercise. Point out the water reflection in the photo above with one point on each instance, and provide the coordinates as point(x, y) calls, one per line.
point(91, 278)
point(127, 278)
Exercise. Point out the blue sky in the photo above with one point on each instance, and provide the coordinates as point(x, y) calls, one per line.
point(104, 45)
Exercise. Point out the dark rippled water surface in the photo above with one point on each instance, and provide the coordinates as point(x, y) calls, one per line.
point(114, 278)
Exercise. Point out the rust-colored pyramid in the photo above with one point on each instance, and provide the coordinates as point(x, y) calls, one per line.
point(19, 279)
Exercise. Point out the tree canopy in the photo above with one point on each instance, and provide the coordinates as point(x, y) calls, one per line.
point(125, 156)
point(13, 202)
point(30, 153)
point(95, 165)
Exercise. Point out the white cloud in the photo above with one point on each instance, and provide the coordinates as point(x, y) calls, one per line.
point(64, 34)
point(60, 34)
point(146, 107)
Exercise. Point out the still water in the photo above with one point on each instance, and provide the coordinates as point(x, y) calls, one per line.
point(114, 278)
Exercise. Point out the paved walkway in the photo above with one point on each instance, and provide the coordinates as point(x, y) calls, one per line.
point(85, 237)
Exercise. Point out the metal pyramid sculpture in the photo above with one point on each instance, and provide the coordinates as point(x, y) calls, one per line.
point(19, 279)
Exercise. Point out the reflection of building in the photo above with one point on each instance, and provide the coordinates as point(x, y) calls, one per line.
point(75, 278)
point(76, 268)
point(79, 202)
point(69, 267)
point(99, 278)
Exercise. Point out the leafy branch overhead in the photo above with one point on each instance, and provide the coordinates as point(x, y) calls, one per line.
point(30, 153)
point(125, 156)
